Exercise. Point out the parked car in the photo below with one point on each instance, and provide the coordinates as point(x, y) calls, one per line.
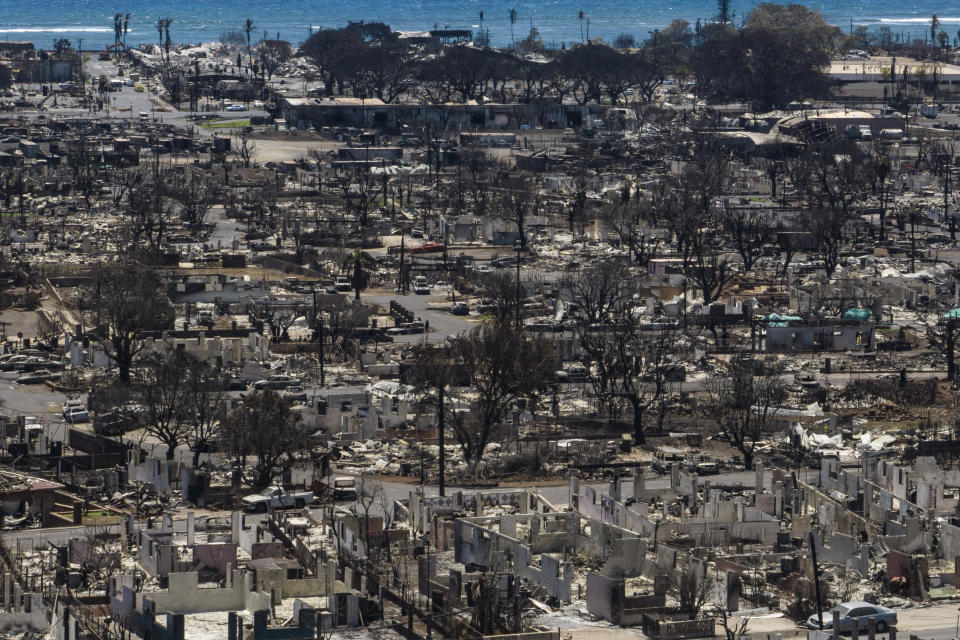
point(343, 283)
point(236, 107)
point(460, 308)
point(38, 376)
point(277, 383)
point(78, 414)
point(406, 328)
point(278, 498)
point(70, 405)
point(421, 286)
point(112, 424)
point(575, 373)
point(295, 394)
point(235, 384)
point(858, 613)
point(35, 363)
point(10, 364)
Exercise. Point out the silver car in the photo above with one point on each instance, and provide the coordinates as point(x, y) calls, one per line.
point(858, 613)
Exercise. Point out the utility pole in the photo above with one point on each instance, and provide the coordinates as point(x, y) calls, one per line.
point(323, 377)
point(441, 459)
point(816, 581)
point(400, 287)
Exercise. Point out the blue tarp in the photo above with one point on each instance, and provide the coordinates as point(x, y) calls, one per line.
point(862, 315)
point(778, 320)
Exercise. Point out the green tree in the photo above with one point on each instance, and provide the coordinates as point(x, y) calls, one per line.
point(782, 53)
point(265, 427)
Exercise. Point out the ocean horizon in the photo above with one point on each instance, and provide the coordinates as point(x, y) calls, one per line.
point(91, 23)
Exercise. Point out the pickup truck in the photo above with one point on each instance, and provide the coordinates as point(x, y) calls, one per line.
point(278, 498)
point(345, 488)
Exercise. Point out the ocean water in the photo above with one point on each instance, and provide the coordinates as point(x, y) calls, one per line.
point(43, 21)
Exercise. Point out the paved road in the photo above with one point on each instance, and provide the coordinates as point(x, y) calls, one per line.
point(442, 323)
point(140, 102)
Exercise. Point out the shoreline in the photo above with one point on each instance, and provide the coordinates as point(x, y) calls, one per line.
point(555, 33)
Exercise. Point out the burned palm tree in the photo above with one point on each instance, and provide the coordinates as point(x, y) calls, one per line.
point(117, 27)
point(166, 34)
point(248, 28)
point(360, 265)
point(159, 27)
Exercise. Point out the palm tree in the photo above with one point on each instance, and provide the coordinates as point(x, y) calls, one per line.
point(248, 27)
point(126, 26)
point(117, 29)
point(360, 265)
point(159, 26)
point(580, 16)
point(723, 9)
point(513, 21)
point(166, 30)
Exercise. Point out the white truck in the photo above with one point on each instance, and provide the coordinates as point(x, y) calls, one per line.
point(277, 498)
point(421, 286)
point(929, 110)
point(345, 488)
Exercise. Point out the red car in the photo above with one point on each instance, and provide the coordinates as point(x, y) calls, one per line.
point(430, 247)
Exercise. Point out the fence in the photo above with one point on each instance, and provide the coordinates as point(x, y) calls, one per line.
point(532, 635)
point(670, 629)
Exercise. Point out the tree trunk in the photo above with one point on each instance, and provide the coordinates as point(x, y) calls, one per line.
point(123, 365)
point(638, 434)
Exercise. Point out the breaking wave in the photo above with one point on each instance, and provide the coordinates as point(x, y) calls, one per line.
point(56, 30)
point(926, 20)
